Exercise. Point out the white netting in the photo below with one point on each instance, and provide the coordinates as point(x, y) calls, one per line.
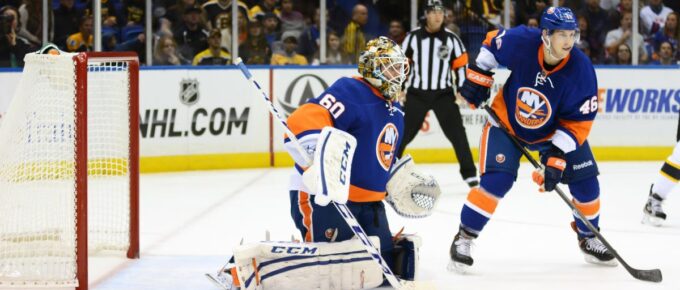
point(37, 170)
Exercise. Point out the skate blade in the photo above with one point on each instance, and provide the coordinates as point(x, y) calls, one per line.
point(592, 260)
point(217, 282)
point(652, 220)
point(457, 267)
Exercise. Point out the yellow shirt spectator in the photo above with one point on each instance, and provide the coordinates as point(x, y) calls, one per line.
point(206, 57)
point(295, 59)
point(76, 43)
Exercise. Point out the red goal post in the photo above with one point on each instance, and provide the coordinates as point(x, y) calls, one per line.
point(69, 168)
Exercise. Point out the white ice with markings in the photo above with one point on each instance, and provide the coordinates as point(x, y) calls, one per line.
point(191, 220)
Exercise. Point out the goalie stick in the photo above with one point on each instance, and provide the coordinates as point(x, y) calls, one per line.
point(653, 275)
point(342, 209)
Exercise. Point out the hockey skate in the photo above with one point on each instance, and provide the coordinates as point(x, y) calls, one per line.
point(223, 278)
point(595, 252)
point(653, 212)
point(461, 258)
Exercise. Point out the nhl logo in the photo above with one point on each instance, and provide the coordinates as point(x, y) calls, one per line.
point(188, 91)
point(443, 52)
point(500, 158)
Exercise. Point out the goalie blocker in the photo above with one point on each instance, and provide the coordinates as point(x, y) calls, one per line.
point(292, 265)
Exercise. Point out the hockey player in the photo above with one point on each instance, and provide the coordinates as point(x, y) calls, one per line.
point(665, 182)
point(548, 103)
point(355, 122)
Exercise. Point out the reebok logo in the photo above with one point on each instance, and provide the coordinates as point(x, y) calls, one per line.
point(583, 165)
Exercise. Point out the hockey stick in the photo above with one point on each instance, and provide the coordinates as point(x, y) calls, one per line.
point(653, 275)
point(342, 208)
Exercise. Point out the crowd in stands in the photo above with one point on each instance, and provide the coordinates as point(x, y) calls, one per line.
point(287, 32)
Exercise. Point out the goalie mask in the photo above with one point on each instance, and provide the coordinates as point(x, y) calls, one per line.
point(384, 65)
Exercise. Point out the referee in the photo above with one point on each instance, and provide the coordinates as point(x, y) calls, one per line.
point(438, 61)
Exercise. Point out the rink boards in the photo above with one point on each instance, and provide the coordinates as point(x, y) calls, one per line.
point(210, 118)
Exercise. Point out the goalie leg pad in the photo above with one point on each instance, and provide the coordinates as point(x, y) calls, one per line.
point(406, 256)
point(288, 265)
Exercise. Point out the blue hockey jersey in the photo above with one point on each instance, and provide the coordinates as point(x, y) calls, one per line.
point(356, 107)
point(538, 105)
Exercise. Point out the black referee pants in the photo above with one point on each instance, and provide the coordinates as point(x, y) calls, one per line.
point(443, 103)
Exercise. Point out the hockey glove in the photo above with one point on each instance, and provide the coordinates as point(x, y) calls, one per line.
point(477, 86)
point(553, 166)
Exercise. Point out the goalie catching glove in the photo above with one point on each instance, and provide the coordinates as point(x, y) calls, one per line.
point(411, 193)
point(328, 176)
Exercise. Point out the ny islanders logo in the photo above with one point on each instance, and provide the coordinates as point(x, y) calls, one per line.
point(385, 145)
point(532, 109)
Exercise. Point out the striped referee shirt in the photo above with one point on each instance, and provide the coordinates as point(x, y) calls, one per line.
point(434, 58)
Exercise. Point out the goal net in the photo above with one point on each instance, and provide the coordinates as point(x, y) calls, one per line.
point(68, 168)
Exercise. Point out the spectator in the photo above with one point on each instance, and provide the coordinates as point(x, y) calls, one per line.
point(666, 54)
point(529, 8)
point(270, 24)
point(175, 12)
point(334, 54)
point(597, 27)
point(192, 36)
point(615, 13)
point(166, 53)
point(83, 39)
point(532, 21)
point(134, 12)
point(214, 54)
point(354, 39)
point(309, 39)
point(450, 21)
point(291, 20)
point(265, 6)
point(217, 14)
point(288, 56)
point(624, 34)
point(242, 24)
point(30, 21)
point(653, 17)
point(622, 55)
point(609, 4)
point(13, 47)
point(109, 12)
point(255, 50)
point(396, 31)
point(669, 33)
point(136, 44)
point(596, 46)
point(585, 48)
point(66, 22)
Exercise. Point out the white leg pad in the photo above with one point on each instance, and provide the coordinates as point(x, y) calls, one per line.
point(288, 265)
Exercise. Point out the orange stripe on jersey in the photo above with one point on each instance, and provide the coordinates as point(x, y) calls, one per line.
point(559, 66)
point(309, 117)
point(358, 194)
point(306, 209)
point(460, 61)
point(483, 200)
point(489, 36)
point(483, 147)
point(580, 129)
point(588, 209)
point(500, 108)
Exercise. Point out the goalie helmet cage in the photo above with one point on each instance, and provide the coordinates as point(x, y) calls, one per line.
point(69, 158)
